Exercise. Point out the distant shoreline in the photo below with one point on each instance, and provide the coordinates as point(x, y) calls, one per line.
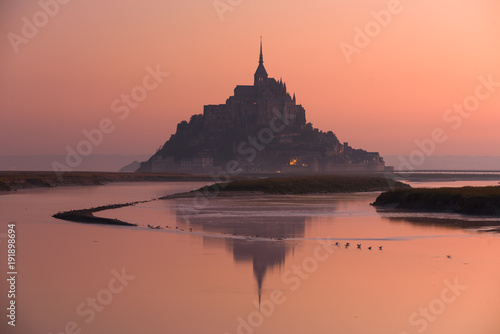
point(12, 181)
point(18, 180)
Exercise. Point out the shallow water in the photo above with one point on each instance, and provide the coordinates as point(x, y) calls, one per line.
point(210, 280)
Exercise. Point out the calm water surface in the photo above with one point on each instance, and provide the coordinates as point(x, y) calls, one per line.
point(233, 274)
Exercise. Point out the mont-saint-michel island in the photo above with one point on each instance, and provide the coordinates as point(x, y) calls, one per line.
point(260, 128)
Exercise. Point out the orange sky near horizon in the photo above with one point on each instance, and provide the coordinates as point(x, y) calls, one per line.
point(394, 91)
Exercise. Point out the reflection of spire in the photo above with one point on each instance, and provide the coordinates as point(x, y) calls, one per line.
point(264, 255)
point(259, 271)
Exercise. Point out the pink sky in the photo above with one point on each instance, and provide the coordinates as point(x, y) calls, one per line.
point(393, 92)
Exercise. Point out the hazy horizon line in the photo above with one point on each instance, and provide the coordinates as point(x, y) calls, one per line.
point(114, 162)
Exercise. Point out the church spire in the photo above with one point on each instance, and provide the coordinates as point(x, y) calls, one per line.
point(261, 58)
point(260, 76)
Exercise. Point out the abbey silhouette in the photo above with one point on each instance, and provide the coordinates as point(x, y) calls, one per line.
point(260, 128)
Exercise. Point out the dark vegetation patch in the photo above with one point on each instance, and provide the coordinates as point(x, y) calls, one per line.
point(309, 184)
point(466, 200)
point(87, 215)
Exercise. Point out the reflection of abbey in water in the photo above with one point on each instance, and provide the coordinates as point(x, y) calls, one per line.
point(264, 255)
point(262, 129)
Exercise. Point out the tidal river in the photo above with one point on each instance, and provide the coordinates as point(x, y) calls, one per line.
point(259, 264)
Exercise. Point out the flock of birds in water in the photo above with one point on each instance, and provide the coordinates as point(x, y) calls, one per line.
point(168, 227)
point(347, 244)
point(191, 230)
point(359, 246)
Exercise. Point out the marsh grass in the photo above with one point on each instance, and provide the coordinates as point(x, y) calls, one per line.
point(311, 184)
point(468, 200)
